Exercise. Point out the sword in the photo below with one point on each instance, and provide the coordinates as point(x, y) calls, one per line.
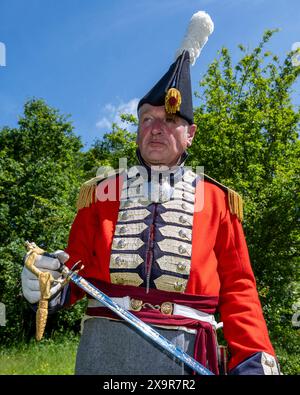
point(145, 329)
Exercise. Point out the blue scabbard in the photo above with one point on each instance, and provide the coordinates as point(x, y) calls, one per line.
point(141, 326)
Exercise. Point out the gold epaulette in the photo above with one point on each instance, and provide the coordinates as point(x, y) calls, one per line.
point(87, 190)
point(235, 201)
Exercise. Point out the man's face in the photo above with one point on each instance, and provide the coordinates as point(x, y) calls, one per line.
point(162, 138)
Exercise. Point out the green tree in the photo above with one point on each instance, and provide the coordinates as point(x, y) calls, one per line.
point(248, 139)
point(39, 180)
point(116, 144)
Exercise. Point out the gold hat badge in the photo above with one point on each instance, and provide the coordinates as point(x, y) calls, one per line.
point(172, 101)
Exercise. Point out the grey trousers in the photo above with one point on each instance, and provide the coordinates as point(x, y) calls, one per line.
point(110, 347)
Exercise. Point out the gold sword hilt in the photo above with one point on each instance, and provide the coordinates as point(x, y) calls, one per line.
point(45, 280)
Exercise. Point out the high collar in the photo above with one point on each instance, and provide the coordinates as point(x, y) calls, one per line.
point(164, 171)
point(157, 183)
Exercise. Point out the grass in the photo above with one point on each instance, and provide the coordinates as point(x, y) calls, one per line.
point(46, 357)
point(289, 362)
point(57, 357)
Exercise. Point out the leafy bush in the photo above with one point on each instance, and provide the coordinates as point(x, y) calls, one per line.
point(39, 181)
point(248, 139)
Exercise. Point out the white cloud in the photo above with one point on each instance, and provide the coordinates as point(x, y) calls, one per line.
point(111, 113)
point(296, 56)
point(103, 123)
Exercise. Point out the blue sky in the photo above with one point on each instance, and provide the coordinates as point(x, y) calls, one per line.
point(94, 58)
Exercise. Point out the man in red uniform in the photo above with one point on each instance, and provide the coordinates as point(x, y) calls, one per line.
point(168, 245)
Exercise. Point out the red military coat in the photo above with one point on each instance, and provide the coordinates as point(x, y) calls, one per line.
point(220, 263)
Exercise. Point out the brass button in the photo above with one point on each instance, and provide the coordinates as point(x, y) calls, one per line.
point(178, 286)
point(183, 234)
point(182, 249)
point(119, 280)
point(181, 266)
point(121, 243)
point(270, 362)
point(183, 219)
point(124, 215)
point(166, 308)
point(123, 229)
point(119, 261)
point(136, 304)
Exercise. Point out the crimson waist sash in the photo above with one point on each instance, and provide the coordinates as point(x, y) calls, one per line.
point(205, 349)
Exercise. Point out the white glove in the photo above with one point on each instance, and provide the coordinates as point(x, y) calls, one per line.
point(30, 282)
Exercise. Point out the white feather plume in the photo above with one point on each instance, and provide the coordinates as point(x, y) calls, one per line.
point(196, 36)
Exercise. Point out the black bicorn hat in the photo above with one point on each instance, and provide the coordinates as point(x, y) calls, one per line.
point(174, 89)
